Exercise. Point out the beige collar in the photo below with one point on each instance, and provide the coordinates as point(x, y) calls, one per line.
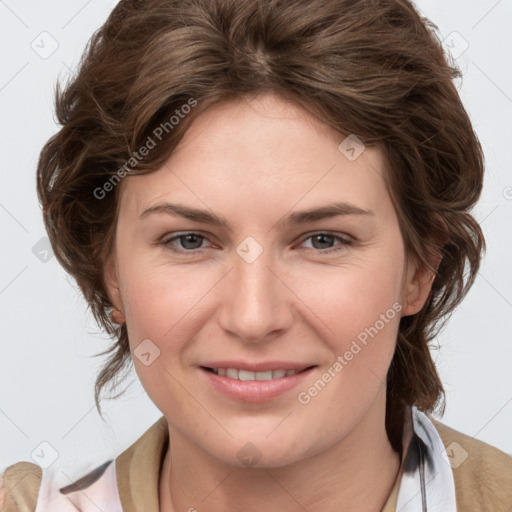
point(138, 469)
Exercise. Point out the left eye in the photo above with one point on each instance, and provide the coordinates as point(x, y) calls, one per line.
point(328, 238)
point(192, 242)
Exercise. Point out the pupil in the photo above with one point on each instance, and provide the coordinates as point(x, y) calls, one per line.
point(328, 237)
point(187, 239)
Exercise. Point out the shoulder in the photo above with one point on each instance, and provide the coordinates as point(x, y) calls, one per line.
point(482, 473)
point(19, 487)
point(25, 487)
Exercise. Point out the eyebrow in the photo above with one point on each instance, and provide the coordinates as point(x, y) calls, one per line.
point(293, 219)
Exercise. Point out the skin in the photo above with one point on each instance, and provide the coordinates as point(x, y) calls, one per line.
point(303, 299)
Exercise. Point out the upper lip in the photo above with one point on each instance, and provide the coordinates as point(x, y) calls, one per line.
point(261, 366)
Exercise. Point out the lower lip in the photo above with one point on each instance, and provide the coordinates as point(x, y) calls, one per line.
point(255, 390)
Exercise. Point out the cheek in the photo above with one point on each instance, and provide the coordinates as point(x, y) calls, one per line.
point(359, 311)
point(161, 299)
point(163, 305)
point(362, 317)
point(349, 299)
point(168, 305)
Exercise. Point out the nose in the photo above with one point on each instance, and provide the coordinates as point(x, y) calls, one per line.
point(256, 302)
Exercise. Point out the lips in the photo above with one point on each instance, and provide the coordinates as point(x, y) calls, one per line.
point(254, 382)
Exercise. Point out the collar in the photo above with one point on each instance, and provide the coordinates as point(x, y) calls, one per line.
point(138, 469)
point(427, 483)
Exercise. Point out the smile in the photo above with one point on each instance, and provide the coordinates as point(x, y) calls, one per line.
point(246, 385)
point(239, 374)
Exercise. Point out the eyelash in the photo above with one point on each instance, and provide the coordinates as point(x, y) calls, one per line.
point(344, 242)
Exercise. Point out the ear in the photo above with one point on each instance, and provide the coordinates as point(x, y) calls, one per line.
point(418, 283)
point(111, 280)
point(419, 277)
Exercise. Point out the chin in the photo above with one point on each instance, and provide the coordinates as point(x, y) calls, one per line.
point(263, 452)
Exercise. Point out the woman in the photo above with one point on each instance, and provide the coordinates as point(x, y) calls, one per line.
point(208, 150)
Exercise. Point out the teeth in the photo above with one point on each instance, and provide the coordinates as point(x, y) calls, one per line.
point(245, 374)
point(234, 373)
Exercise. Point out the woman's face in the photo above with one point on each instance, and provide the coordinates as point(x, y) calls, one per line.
point(261, 286)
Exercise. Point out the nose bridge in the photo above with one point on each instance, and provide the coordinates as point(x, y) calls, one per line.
point(254, 302)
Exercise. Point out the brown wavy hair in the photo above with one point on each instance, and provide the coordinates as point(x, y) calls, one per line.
point(375, 68)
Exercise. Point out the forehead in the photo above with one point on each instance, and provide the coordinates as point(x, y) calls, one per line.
point(262, 151)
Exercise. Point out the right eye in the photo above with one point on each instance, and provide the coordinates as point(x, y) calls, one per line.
point(190, 242)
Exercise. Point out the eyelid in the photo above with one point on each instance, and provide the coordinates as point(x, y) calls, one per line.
point(170, 237)
point(344, 236)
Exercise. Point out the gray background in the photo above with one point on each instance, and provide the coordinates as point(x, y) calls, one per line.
point(48, 337)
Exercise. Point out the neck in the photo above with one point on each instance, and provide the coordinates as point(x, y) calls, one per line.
point(356, 474)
